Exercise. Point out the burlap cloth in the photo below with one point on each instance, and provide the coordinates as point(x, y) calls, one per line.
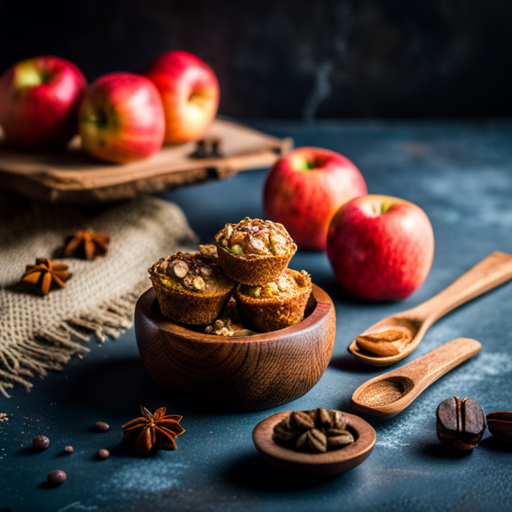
point(37, 333)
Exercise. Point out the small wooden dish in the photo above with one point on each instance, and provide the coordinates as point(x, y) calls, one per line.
point(247, 372)
point(326, 464)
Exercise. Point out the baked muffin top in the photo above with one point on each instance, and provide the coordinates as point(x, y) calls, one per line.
point(255, 237)
point(194, 272)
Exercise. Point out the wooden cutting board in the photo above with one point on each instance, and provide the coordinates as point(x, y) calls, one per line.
point(73, 176)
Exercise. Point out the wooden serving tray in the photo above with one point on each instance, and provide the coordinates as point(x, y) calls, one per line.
point(73, 176)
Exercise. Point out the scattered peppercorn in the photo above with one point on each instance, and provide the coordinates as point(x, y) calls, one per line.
point(57, 476)
point(41, 442)
point(69, 449)
point(101, 425)
point(103, 454)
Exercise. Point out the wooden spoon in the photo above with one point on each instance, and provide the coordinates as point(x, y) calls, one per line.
point(494, 270)
point(315, 464)
point(390, 393)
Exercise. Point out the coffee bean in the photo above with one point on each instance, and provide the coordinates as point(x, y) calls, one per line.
point(341, 440)
point(103, 454)
point(101, 425)
point(317, 440)
point(301, 441)
point(460, 423)
point(284, 437)
point(301, 421)
point(325, 417)
point(41, 442)
point(57, 476)
point(339, 421)
point(500, 425)
point(69, 449)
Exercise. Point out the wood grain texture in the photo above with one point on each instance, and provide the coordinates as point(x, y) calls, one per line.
point(326, 464)
point(492, 271)
point(73, 176)
point(251, 372)
point(392, 392)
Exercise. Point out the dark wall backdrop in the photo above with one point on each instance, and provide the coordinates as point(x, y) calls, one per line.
point(292, 58)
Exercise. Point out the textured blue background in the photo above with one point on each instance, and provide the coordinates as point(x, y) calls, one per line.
point(460, 174)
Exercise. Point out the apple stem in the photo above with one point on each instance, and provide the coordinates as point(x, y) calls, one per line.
point(385, 207)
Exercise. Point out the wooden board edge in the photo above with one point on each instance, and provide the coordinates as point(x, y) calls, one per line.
point(42, 188)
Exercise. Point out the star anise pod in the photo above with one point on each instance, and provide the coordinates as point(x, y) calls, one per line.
point(46, 274)
point(87, 243)
point(153, 431)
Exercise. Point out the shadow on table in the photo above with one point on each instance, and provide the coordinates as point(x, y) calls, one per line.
point(328, 283)
point(107, 389)
point(442, 452)
point(349, 363)
point(253, 473)
point(46, 485)
point(30, 450)
point(112, 391)
point(495, 444)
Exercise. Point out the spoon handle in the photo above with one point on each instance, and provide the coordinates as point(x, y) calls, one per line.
point(492, 271)
point(428, 368)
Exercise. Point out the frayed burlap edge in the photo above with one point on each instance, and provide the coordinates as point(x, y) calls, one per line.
point(52, 349)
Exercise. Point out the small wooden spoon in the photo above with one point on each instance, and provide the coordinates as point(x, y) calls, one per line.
point(315, 464)
point(390, 393)
point(492, 271)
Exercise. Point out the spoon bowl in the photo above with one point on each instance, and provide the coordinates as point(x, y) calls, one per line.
point(413, 329)
point(320, 465)
point(386, 391)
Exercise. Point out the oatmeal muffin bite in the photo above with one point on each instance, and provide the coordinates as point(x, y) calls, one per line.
point(191, 287)
point(230, 323)
point(278, 304)
point(254, 251)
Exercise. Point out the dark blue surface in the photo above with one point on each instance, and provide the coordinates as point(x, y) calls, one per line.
point(460, 174)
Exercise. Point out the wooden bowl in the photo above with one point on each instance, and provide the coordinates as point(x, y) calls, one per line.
point(247, 372)
point(321, 465)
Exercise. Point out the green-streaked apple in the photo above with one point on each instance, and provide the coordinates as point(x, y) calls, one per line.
point(380, 248)
point(190, 94)
point(38, 102)
point(304, 189)
point(121, 118)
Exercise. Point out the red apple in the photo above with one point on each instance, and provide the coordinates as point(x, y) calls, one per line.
point(380, 247)
point(304, 189)
point(121, 118)
point(190, 93)
point(38, 102)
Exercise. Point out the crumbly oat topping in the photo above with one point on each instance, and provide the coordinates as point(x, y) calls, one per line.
point(255, 237)
point(288, 283)
point(197, 272)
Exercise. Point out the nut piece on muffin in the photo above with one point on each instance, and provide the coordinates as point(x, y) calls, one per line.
point(277, 304)
point(254, 251)
point(191, 287)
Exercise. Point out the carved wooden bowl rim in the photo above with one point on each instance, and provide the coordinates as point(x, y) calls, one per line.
point(148, 306)
point(328, 463)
